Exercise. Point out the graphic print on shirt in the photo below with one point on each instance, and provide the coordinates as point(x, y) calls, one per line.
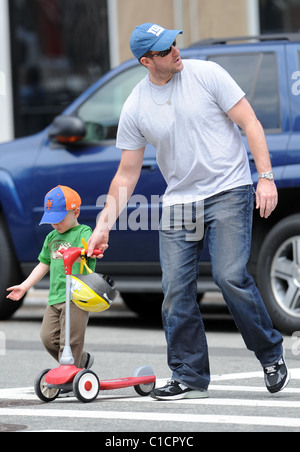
point(57, 247)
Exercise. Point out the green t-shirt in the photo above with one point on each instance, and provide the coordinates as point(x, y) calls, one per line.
point(49, 256)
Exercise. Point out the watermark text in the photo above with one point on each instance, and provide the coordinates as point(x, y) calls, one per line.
point(296, 343)
point(296, 84)
point(141, 214)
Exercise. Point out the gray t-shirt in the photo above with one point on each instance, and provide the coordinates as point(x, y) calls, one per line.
point(200, 151)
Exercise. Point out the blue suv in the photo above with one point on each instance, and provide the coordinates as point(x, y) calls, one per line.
point(78, 149)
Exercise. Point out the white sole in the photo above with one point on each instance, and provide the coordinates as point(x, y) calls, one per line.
point(289, 377)
point(187, 395)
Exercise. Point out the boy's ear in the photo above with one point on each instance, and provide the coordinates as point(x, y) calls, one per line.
point(77, 212)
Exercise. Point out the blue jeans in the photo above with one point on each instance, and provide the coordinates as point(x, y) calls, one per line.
point(227, 219)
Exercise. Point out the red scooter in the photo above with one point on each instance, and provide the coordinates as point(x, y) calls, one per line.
point(84, 383)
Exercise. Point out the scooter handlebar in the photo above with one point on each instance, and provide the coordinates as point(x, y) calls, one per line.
point(72, 254)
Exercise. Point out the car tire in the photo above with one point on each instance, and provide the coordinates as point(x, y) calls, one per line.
point(10, 273)
point(278, 274)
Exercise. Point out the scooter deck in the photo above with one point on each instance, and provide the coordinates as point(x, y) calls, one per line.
point(61, 375)
point(66, 374)
point(125, 382)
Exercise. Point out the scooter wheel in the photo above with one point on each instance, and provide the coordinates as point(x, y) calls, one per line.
point(86, 386)
point(143, 389)
point(44, 393)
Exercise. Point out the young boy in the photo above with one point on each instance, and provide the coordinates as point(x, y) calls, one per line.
point(61, 210)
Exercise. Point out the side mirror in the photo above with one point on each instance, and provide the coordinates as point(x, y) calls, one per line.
point(67, 129)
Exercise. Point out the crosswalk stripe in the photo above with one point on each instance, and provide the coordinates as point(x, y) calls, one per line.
point(27, 393)
point(234, 388)
point(269, 403)
point(156, 417)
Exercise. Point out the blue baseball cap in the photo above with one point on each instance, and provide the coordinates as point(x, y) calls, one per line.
point(57, 204)
point(151, 37)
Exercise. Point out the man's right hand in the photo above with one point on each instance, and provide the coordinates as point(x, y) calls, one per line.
point(98, 240)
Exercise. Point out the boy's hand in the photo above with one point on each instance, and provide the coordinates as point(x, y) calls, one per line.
point(60, 252)
point(17, 292)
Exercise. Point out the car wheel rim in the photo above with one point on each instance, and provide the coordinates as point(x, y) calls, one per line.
point(285, 276)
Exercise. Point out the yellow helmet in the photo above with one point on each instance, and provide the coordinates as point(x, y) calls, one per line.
point(93, 292)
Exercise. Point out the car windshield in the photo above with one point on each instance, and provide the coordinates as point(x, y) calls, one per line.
point(101, 112)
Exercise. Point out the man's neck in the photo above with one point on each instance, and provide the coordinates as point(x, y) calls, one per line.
point(157, 80)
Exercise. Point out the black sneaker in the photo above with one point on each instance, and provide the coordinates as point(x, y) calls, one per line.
point(277, 376)
point(176, 391)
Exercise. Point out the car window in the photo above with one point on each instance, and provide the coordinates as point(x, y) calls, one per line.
point(257, 75)
point(101, 112)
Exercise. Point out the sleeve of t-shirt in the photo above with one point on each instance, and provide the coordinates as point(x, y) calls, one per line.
point(226, 91)
point(129, 136)
point(44, 255)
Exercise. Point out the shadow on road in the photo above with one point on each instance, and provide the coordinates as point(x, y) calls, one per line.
point(214, 311)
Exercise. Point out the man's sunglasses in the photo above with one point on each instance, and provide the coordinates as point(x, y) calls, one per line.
point(165, 53)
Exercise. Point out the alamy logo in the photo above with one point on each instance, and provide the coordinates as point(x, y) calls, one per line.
point(296, 343)
point(140, 214)
point(156, 30)
point(296, 84)
point(2, 84)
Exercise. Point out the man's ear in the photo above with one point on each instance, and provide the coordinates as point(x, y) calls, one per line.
point(145, 62)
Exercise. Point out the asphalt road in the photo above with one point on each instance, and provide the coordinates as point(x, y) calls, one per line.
point(120, 341)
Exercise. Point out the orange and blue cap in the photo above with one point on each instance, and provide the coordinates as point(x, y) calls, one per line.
point(57, 204)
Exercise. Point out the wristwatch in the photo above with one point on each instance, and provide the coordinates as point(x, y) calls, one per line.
point(269, 176)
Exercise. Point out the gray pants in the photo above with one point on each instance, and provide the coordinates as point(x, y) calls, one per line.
point(53, 332)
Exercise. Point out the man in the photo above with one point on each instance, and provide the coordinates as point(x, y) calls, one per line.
point(189, 111)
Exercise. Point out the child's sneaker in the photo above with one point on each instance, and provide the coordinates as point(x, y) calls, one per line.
point(87, 360)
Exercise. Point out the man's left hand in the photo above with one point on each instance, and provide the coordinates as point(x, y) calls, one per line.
point(266, 197)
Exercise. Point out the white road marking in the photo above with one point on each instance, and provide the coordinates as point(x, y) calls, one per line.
point(237, 376)
point(17, 394)
point(230, 388)
point(268, 402)
point(157, 417)
point(28, 394)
